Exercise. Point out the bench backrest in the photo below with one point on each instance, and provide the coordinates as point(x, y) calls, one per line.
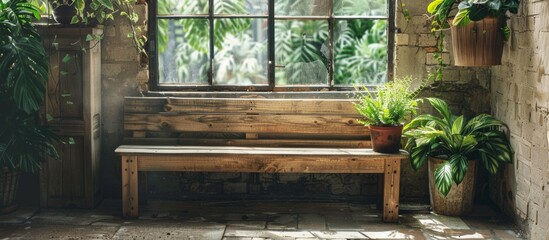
point(244, 122)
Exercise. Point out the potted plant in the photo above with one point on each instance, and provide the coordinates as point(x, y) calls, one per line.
point(63, 11)
point(454, 146)
point(24, 143)
point(478, 29)
point(384, 111)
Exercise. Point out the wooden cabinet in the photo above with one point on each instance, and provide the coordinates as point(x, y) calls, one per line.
point(73, 105)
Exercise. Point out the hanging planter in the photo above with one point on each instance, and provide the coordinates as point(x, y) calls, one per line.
point(63, 14)
point(478, 29)
point(478, 43)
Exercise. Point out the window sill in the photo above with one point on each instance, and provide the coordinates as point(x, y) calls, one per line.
point(274, 95)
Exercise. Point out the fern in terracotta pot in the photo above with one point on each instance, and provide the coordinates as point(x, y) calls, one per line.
point(384, 111)
point(454, 146)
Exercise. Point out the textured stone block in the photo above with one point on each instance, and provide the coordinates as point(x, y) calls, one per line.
point(426, 40)
point(540, 157)
point(431, 60)
point(522, 206)
point(402, 39)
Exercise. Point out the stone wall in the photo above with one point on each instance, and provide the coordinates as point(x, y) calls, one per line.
point(520, 97)
point(465, 88)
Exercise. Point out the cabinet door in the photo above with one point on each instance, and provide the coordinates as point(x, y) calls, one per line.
point(63, 178)
point(65, 87)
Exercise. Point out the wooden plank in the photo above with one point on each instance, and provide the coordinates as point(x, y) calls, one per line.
point(391, 190)
point(139, 134)
point(261, 106)
point(144, 105)
point(250, 142)
point(359, 152)
point(252, 163)
point(327, 124)
point(130, 201)
point(252, 136)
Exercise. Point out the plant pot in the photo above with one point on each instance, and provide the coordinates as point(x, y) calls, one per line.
point(478, 43)
point(8, 188)
point(385, 139)
point(63, 14)
point(459, 200)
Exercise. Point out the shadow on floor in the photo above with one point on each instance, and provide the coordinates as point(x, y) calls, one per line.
point(249, 220)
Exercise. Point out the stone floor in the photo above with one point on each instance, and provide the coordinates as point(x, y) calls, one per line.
point(249, 220)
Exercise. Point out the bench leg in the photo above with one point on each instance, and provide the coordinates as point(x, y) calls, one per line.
point(129, 187)
point(391, 190)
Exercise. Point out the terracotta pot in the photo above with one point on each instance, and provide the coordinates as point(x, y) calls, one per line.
point(385, 139)
point(9, 182)
point(478, 43)
point(63, 14)
point(460, 199)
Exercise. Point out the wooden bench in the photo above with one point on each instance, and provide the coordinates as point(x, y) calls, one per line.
point(250, 135)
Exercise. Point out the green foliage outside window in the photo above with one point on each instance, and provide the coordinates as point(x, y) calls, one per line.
point(302, 54)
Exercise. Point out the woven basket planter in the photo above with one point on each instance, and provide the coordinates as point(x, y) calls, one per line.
point(478, 43)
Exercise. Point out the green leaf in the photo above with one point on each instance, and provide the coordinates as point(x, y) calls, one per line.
point(89, 37)
point(457, 125)
point(443, 178)
point(433, 6)
point(477, 12)
point(461, 18)
point(106, 3)
point(71, 141)
point(67, 58)
point(464, 4)
point(74, 20)
point(442, 107)
point(494, 5)
point(459, 166)
point(49, 118)
point(80, 5)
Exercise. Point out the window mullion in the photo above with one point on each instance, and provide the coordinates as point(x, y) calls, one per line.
point(212, 53)
point(331, 61)
point(390, 40)
point(271, 45)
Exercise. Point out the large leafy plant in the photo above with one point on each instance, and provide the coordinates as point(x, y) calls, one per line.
point(456, 140)
point(389, 104)
point(23, 79)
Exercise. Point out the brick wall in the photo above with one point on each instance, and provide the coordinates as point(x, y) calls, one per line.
point(520, 97)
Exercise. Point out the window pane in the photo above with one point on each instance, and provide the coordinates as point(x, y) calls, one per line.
point(301, 52)
point(182, 6)
point(360, 52)
point(360, 8)
point(240, 52)
point(183, 51)
point(302, 7)
point(245, 7)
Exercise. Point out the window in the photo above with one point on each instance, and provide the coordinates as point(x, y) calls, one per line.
point(270, 44)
